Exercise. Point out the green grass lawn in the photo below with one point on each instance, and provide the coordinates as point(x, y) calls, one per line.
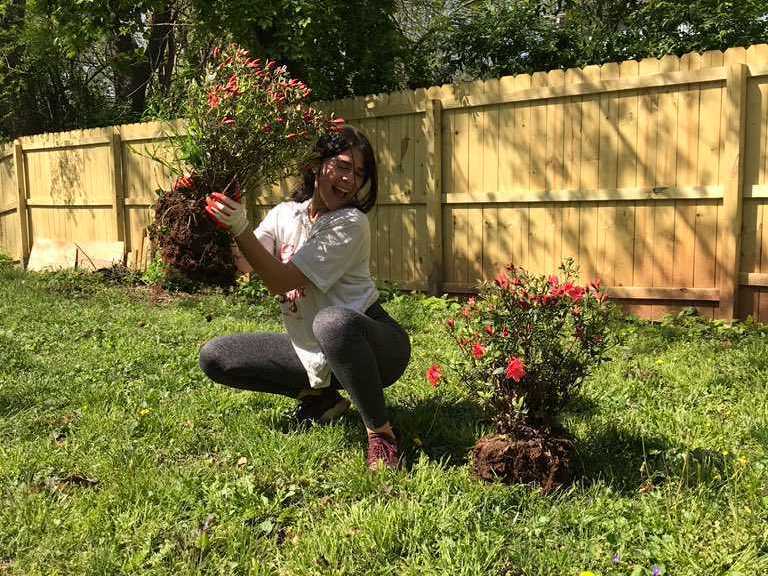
point(118, 456)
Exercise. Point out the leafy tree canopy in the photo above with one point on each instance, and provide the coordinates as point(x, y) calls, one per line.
point(80, 63)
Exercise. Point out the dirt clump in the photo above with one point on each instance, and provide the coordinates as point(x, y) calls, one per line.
point(188, 241)
point(525, 455)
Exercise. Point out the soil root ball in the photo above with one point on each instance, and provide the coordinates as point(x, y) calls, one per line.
point(189, 242)
point(526, 456)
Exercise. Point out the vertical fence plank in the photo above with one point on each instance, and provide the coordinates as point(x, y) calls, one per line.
point(507, 133)
point(572, 133)
point(538, 140)
point(117, 185)
point(735, 112)
point(21, 207)
point(433, 131)
point(554, 156)
point(491, 260)
point(590, 133)
point(491, 141)
point(521, 146)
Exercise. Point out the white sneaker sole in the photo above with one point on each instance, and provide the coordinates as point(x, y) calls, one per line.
point(335, 411)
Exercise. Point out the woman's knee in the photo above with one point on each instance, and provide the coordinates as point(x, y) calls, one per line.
point(336, 323)
point(211, 360)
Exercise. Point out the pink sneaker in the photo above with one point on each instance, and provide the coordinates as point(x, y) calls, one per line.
point(382, 452)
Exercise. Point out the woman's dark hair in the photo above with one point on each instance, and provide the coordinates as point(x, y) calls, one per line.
point(332, 145)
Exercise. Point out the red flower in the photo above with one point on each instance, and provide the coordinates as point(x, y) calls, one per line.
point(337, 124)
point(216, 52)
point(184, 183)
point(434, 375)
point(502, 280)
point(515, 369)
point(478, 351)
point(213, 100)
point(267, 128)
point(554, 281)
point(465, 312)
point(505, 332)
point(451, 323)
point(489, 330)
point(255, 63)
point(232, 86)
point(576, 293)
point(228, 121)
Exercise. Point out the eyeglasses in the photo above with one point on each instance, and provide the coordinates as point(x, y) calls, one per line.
point(344, 168)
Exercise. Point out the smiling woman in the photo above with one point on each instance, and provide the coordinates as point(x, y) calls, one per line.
point(313, 252)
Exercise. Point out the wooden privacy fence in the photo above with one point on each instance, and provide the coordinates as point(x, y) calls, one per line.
point(652, 175)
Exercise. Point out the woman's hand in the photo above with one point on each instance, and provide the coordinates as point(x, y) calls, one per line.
point(227, 213)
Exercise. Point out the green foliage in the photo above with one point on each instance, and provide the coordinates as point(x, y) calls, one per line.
point(5, 261)
point(491, 38)
point(82, 63)
point(339, 47)
point(70, 283)
point(251, 289)
point(155, 273)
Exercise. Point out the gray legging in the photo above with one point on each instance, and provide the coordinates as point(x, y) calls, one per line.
point(366, 352)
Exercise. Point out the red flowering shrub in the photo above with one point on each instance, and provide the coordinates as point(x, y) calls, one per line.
point(248, 119)
point(529, 341)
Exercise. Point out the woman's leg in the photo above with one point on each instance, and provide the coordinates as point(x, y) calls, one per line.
point(264, 362)
point(367, 353)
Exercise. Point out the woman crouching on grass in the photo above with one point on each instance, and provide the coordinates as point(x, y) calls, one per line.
point(314, 252)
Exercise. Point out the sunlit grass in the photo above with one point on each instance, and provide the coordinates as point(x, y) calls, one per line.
point(118, 456)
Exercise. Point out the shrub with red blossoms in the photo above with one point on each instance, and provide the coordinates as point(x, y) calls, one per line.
point(528, 341)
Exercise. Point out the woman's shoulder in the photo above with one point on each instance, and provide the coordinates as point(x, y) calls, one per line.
point(346, 215)
point(290, 208)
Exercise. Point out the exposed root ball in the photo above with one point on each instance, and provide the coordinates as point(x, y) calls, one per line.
point(528, 456)
point(189, 242)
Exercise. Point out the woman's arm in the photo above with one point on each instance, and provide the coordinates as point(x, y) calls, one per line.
point(277, 276)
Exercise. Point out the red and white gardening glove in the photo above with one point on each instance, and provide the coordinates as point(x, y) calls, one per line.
point(227, 213)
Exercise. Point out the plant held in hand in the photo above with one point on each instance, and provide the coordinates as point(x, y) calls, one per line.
point(248, 124)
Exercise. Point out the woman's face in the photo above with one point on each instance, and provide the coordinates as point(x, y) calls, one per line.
point(339, 179)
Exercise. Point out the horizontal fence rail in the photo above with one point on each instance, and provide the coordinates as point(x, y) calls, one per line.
point(652, 175)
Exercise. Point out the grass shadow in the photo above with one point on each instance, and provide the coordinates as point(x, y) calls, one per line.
point(631, 463)
point(444, 431)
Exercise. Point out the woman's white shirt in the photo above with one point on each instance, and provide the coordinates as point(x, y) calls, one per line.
point(333, 252)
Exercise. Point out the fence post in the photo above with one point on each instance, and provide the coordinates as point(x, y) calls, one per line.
point(434, 191)
point(21, 184)
point(118, 198)
point(733, 161)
